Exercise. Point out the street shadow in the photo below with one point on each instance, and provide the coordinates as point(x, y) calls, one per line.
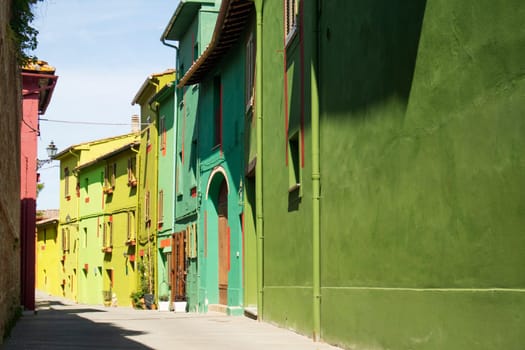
point(65, 329)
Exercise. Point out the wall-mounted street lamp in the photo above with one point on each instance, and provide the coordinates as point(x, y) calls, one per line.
point(51, 152)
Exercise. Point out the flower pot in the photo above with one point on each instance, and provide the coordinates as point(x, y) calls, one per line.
point(179, 306)
point(164, 306)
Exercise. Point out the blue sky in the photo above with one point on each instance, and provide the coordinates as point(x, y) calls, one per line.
point(102, 50)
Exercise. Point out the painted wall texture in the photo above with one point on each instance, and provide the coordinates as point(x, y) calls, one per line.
point(10, 173)
point(79, 235)
point(119, 277)
point(147, 213)
point(287, 272)
point(48, 269)
point(91, 233)
point(421, 171)
point(192, 26)
point(166, 185)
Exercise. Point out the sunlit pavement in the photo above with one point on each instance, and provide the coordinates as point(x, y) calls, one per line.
point(60, 324)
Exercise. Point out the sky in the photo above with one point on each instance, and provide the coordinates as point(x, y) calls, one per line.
point(103, 50)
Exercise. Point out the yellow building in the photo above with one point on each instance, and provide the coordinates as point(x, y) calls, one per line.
point(147, 189)
point(71, 240)
point(48, 266)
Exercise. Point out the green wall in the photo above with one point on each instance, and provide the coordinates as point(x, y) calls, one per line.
point(229, 157)
point(422, 203)
point(421, 158)
point(187, 192)
point(166, 182)
point(90, 234)
point(287, 215)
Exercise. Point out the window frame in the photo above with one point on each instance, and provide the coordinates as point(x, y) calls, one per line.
point(160, 209)
point(66, 182)
point(132, 165)
point(291, 19)
point(250, 73)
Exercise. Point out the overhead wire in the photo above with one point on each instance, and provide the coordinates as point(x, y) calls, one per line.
point(87, 122)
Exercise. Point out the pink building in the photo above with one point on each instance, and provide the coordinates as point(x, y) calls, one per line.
point(38, 83)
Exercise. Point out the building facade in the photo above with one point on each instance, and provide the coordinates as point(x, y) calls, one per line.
point(48, 268)
point(192, 26)
point(147, 213)
point(387, 167)
point(223, 109)
point(165, 100)
point(82, 217)
point(38, 84)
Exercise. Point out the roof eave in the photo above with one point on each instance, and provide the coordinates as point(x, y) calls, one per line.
point(182, 18)
point(198, 68)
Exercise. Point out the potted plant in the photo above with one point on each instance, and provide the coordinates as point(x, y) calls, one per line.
point(107, 294)
point(137, 300)
point(164, 303)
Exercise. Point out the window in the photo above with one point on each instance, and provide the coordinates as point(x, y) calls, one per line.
point(65, 239)
point(146, 207)
point(85, 237)
point(250, 73)
point(217, 109)
point(111, 173)
point(148, 134)
point(291, 10)
point(294, 169)
point(195, 51)
point(107, 235)
point(169, 265)
point(104, 235)
point(178, 176)
point(66, 182)
point(193, 162)
point(161, 207)
point(132, 165)
point(131, 226)
point(162, 129)
point(110, 236)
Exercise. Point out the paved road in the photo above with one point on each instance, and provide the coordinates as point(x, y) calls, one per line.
point(60, 324)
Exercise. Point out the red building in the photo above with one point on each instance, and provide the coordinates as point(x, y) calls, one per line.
point(38, 83)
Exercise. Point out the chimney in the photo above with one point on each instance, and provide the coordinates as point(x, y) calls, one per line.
point(135, 125)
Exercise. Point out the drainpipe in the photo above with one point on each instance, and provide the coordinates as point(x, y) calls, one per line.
point(316, 171)
point(259, 164)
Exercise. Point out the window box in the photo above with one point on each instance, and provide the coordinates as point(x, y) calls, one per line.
point(107, 249)
point(131, 242)
point(132, 183)
point(108, 190)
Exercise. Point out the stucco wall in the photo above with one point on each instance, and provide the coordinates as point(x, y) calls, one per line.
point(423, 174)
point(9, 174)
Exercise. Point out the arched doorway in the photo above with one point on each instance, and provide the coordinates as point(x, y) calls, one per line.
point(224, 243)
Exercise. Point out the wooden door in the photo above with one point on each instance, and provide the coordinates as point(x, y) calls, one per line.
point(178, 266)
point(224, 244)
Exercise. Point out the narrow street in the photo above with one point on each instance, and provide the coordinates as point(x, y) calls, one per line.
point(60, 324)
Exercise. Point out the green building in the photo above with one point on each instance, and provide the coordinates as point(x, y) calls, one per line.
point(392, 172)
point(164, 101)
point(91, 257)
point(191, 26)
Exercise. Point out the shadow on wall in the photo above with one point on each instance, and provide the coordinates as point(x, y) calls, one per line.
point(368, 55)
